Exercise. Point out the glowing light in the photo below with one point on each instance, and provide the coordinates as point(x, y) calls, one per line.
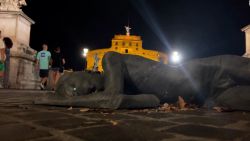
point(176, 57)
point(85, 52)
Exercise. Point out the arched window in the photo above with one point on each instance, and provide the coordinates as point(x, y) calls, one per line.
point(126, 50)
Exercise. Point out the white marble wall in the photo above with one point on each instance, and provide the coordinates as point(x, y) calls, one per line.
point(17, 26)
point(247, 36)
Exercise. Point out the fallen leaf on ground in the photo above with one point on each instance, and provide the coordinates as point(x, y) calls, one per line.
point(114, 123)
point(84, 109)
point(222, 109)
point(181, 102)
point(165, 107)
point(70, 108)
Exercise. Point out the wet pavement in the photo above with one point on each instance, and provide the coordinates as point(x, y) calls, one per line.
point(20, 120)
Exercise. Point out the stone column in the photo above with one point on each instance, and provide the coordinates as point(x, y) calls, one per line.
point(17, 26)
point(247, 36)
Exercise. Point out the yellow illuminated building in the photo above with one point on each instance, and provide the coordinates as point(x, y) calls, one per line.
point(124, 44)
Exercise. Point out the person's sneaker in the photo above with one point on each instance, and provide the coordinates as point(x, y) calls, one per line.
point(42, 86)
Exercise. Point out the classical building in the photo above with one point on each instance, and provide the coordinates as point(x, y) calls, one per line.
point(17, 25)
point(124, 44)
point(246, 29)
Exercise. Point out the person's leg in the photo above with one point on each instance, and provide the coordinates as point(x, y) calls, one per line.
point(54, 73)
point(6, 73)
point(42, 76)
point(1, 74)
point(58, 75)
point(45, 79)
point(1, 79)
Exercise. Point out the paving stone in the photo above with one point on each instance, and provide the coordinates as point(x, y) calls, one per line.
point(157, 115)
point(4, 120)
point(148, 123)
point(49, 139)
point(111, 125)
point(246, 138)
point(14, 110)
point(114, 116)
point(69, 123)
point(124, 132)
point(191, 112)
point(230, 115)
point(207, 132)
point(248, 124)
point(188, 140)
point(206, 120)
point(41, 116)
point(20, 133)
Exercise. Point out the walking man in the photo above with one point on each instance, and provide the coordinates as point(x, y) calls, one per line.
point(57, 65)
point(43, 59)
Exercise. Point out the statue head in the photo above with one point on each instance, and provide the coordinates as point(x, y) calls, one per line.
point(12, 5)
point(79, 83)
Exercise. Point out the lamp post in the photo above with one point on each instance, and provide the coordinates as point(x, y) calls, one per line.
point(84, 54)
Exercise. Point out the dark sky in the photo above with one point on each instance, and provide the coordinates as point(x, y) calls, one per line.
point(197, 28)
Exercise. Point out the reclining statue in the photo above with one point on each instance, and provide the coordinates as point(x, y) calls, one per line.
point(131, 81)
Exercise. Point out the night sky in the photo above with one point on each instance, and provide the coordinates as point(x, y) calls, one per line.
point(197, 28)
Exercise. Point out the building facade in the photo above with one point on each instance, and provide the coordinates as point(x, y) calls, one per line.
point(124, 44)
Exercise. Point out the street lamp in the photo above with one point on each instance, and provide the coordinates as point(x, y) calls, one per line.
point(176, 57)
point(85, 52)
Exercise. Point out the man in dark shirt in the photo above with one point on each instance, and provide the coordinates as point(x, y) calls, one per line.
point(57, 65)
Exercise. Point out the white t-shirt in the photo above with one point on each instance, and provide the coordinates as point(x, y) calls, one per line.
point(2, 46)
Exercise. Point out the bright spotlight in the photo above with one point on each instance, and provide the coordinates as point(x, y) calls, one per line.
point(85, 52)
point(176, 57)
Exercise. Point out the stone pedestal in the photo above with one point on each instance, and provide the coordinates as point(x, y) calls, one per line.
point(17, 26)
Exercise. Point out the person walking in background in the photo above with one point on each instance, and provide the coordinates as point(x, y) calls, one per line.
point(43, 59)
point(2, 59)
point(8, 45)
point(57, 65)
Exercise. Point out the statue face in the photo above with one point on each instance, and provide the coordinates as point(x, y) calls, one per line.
point(78, 83)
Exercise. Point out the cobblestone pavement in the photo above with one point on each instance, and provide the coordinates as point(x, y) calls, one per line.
point(20, 120)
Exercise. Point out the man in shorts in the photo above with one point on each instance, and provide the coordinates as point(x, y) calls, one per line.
point(2, 59)
point(43, 59)
point(57, 65)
